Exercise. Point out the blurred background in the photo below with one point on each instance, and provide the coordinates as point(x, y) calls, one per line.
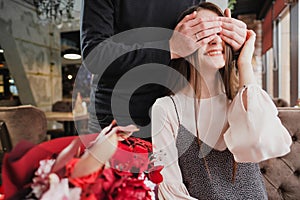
point(33, 46)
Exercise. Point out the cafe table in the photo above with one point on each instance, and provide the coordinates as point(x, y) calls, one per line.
point(70, 121)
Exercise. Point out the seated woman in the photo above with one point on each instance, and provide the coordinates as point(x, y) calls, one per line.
point(113, 166)
point(212, 132)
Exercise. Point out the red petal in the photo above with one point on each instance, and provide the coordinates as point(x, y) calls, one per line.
point(155, 175)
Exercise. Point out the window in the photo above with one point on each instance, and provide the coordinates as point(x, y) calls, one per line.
point(268, 70)
point(284, 56)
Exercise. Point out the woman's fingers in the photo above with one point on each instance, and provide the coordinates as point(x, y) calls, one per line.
point(249, 43)
point(106, 146)
point(108, 128)
point(125, 132)
point(102, 149)
point(66, 155)
point(247, 51)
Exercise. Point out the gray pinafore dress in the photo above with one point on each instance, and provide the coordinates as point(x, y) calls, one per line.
point(248, 184)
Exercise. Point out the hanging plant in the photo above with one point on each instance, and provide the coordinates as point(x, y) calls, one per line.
point(231, 4)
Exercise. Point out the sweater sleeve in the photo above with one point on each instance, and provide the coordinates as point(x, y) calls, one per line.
point(102, 47)
point(164, 147)
point(257, 133)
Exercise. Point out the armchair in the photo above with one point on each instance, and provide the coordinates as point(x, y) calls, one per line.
point(282, 174)
point(25, 122)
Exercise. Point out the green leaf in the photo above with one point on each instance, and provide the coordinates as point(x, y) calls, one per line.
point(231, 4)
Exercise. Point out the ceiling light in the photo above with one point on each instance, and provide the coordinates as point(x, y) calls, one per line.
point(72, 56)
point(1, 51)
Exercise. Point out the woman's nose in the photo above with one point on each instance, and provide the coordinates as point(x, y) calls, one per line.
point(216, 39)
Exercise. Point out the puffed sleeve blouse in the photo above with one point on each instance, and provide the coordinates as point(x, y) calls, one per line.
point(251, 135)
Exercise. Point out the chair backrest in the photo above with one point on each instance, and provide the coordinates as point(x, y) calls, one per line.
point(62, 106)
point(24, 122)
point(282, 174)
point(5, 141)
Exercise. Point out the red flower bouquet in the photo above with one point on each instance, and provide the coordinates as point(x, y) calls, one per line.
point(132, 174)
point(129, 175)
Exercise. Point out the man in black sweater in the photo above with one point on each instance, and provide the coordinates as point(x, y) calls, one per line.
point(128, 44)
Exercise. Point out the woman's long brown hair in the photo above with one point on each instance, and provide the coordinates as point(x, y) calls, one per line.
point(187, 68)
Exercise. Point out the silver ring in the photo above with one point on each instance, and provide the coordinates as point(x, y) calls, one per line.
point(196, 35)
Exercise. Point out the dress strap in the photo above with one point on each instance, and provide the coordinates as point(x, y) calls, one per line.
point(175, 110)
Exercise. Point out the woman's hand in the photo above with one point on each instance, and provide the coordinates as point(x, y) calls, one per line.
point(102, 149)
point(244, 62)
point(245, 57)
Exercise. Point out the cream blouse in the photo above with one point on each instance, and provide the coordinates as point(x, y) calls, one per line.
point(252, 136)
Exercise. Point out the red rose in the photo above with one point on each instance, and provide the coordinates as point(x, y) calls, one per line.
point(106, 184)
point(154, 174)
point(122, 158)
point(132, 189)
point(124, 180)
point(131, 157)
point(140, 159)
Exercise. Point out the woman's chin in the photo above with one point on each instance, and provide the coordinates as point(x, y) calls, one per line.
point(217, 65)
